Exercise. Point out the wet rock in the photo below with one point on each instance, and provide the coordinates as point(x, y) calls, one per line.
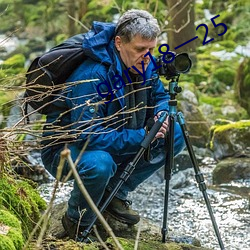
point(181, 179)
point(31, 167)
point(231, 169)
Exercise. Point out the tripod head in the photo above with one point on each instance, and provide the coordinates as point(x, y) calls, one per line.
point(174, 89)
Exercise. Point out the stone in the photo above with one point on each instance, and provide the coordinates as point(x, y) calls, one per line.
point(230, 140)
point(231, 169)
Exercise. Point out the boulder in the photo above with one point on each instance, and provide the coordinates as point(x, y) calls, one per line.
point(231, 139)
point(150, 235)
point(231, 169)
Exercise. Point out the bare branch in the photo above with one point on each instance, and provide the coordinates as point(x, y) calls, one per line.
point(66, 154)
point(77, 21)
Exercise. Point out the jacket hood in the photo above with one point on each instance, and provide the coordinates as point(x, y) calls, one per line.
point(98, 42)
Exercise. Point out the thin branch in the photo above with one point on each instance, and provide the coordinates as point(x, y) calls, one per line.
point(66, 154)
point(99, 238)
point(137, 236)
point(77, 21)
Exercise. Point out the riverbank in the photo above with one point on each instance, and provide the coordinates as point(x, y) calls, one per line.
point(188, 215)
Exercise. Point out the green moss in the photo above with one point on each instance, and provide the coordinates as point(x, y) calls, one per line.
point(224, 75)
point(128, 244)
point(229, 45)
point(16, 61)
point(212, 100)
point(9, 219)
point(236, 125)
point(13, 239)
point(22, 200)
point(16, 237)
point(13, 71)
point(6, 243)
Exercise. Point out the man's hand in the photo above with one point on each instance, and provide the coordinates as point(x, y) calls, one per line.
point(164, 128)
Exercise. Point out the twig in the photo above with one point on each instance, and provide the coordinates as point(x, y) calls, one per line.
point(99, 238)
point(137, 236)
point(77, 21)
point(66, 154)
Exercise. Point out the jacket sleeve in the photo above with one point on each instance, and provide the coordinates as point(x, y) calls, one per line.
point(88, 119)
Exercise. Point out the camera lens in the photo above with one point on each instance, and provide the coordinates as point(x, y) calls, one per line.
point(182, 63)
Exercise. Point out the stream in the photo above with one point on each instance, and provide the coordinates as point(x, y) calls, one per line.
point(187, 212)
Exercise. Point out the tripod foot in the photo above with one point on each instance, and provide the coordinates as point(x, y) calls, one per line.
point(164, 232)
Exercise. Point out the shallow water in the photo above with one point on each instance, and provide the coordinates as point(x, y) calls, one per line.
point(188, 215)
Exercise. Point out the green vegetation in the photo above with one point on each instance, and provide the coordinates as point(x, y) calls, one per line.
point(11, 237)
point(22, 200)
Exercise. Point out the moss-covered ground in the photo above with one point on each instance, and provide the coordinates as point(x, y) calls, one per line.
point(20, 209)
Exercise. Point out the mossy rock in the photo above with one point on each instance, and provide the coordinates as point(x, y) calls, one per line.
point(10, 231)
point(22, 200)
point(13, 70)
point(16, 61)
point(221, 106)
point(128, 244)
point(231, 169)
point(150, 235)
point(232, 139)
point(224, 75)
point(229, 45)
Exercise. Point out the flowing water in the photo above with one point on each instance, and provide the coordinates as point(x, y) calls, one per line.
point(187, 212)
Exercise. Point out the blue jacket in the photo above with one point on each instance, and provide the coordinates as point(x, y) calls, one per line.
point(88, 116)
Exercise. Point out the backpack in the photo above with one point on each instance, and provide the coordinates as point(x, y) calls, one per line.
point(48, 73)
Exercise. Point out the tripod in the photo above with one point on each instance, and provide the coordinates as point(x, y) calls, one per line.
point(169, 163)
point(129, 169)
point(173, 90)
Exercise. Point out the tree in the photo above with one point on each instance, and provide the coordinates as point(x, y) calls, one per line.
point(181, 25)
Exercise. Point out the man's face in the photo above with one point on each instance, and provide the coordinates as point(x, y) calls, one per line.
point(132, 53)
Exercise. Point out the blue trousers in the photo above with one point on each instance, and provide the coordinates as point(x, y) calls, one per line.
point(100, 170)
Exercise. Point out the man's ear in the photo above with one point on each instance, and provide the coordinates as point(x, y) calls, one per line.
point(118, 42)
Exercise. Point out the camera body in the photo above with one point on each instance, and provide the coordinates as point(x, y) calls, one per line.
point(180, 64)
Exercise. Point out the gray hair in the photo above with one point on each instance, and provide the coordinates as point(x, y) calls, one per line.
point(137, 22)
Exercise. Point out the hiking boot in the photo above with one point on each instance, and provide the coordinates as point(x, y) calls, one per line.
point(121, 211)
point(75, 231)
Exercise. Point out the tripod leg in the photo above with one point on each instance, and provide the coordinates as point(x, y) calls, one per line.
point(199, 176)
point(168, 173)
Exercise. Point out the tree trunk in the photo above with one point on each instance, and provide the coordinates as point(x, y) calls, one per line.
point(181, 26)
point(72, 13)
point(83, 7)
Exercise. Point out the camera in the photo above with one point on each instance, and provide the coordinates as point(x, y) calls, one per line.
point(181, 64)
